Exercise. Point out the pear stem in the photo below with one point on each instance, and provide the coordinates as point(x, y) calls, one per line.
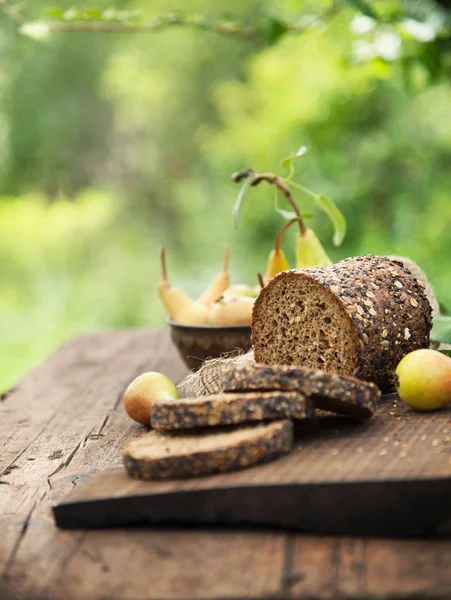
point(281, 232)
point(243, 174)
point(260, 280)
point(164, 273)
point(283, 186)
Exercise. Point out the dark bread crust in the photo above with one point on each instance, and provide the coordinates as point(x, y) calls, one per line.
point(236, 448)
point(229, 409)
point(387, 307)
point(334, 393)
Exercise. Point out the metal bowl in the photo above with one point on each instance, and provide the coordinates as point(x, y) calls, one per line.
point(196, 343)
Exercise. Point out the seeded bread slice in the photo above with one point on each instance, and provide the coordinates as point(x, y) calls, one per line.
point(334, 393)
point(358, 317)
point(229, 409)
point(159, 455)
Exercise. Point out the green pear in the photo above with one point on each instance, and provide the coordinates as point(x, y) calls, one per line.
point(424, 379)
point(310, 252)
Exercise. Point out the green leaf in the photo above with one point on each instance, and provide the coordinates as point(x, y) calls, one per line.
point(174, 17)
point(327, 205)
point(92, 14)
point(446, 352)
point(239, 201)
point(288, 161)
point(72, 14)
point(272, 28)
point(286, 214)
point(110, 14)
point(364, 7)
point(36, 30)
point(441, 330)
point(53, 12)
point(135, 15)
point(289, 214)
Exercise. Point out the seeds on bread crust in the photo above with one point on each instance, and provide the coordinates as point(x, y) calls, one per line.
point(334, 393)
point(229, 409)
point(358, 317)
point(159, 455)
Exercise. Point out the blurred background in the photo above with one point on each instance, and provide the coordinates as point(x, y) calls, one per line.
point(114, 143)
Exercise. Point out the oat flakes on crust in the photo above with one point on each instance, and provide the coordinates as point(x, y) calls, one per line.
point(229, 409)
point(334, 393)
point(358, 317)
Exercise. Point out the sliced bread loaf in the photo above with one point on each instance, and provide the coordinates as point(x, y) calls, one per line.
point(159, 455)
point(358, 317)
point(229, 409)
point(339, 394)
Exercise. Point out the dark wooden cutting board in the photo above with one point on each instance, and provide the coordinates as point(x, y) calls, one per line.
point(389, 476)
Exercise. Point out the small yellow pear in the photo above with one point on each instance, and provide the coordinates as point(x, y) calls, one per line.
point(179, 307)
point(143, 391)
point(219, 284)
point(231, 311)
point(277, 262)
point(424, 379)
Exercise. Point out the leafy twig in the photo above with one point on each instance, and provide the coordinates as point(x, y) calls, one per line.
point(283, 187)
point(323, 202)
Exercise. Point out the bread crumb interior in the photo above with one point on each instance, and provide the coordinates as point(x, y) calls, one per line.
point(302, 323)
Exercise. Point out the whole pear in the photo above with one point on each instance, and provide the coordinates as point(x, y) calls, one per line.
point(424, 379)
point(310, 251)
point(219, 283)
point(179, 307)
point(277, 262)
point(143, 391)
point(240, 289)
point(231, 311)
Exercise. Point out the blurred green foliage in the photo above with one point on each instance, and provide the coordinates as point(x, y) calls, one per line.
point(112, 144)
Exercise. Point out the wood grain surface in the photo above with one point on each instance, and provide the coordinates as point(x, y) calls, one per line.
point(65, 422)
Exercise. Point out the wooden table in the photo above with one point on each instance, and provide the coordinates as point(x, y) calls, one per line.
point(65, 421)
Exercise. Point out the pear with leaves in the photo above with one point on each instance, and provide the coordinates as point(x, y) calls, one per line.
point(309, 250)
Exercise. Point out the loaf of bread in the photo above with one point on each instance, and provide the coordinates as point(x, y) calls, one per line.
point(339, 394)
point(358, 317)
point(159, 455)
point(229, 409)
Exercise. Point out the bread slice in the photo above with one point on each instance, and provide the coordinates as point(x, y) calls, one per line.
point(339, 394)
point(358, 317)
point(229, 409)
point(159, 455)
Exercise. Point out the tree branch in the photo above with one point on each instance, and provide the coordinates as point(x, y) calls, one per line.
point(229, 28)
point(225, 28)
point(12, 13)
